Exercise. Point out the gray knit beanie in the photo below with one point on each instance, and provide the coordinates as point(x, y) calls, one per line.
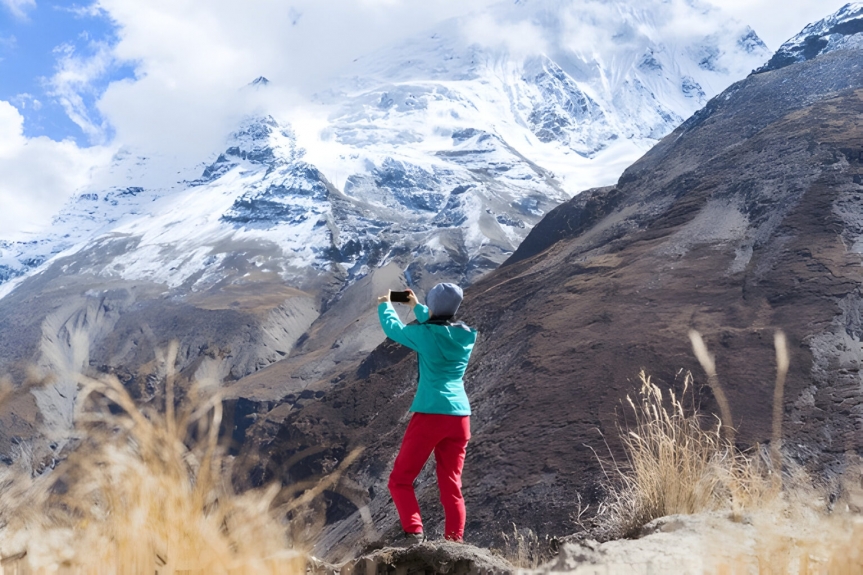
point(444, 299)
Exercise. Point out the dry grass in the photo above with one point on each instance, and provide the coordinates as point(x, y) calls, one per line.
point(708, 363)
point(679, 462)
point(141, 493)
point(525, 549)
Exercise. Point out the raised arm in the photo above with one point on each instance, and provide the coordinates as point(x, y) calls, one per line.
point(394, 328)
point(421, 312)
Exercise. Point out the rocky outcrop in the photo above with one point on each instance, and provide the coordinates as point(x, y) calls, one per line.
point(442, 557)
point(696, 544)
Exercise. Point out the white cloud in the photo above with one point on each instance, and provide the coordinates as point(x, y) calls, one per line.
point(593, 29)
point(194, 56)
point(19, 8)
point(39, 174)
point(74, 80)
point(517, 38)
point(91, 10)
point(8, 42)
point(776, 21)
point(26, 101)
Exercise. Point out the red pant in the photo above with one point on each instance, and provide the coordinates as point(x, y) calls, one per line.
point(447, 436)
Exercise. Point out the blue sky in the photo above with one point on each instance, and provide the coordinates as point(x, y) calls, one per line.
point(34, 40)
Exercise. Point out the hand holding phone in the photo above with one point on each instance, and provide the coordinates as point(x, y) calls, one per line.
point(400, 296)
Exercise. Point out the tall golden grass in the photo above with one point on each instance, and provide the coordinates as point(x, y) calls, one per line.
point(142, 492)
point(708, 363)
point(681, 462)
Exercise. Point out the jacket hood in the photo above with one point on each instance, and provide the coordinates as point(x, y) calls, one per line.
point(455, 341)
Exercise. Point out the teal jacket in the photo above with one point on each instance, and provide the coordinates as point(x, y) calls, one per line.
point(443, 354)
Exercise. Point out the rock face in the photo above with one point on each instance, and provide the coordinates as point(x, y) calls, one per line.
point(430, 557)
point(746, 219)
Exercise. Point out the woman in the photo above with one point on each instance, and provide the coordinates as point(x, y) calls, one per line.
point(441, 413)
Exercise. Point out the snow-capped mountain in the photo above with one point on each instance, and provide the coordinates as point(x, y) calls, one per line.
point(572, 80)
point(454, 141)
point(844, 29)
point(609, 80)
point(261, 191)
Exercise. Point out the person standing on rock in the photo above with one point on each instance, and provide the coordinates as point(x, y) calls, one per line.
point(441, 413)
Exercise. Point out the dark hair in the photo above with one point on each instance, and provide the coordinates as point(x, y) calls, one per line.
point(440, 319)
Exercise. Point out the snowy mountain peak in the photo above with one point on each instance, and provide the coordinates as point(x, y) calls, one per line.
point(259, 140)
point(844, 29)
point(750, 42)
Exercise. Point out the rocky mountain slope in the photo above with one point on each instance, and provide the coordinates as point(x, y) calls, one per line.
point(840, 30)
point(429, 161)
point(745, 219)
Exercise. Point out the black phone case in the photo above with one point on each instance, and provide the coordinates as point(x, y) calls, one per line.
point(400, 296)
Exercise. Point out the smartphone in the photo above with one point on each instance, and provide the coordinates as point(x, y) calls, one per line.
point(400, 296)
